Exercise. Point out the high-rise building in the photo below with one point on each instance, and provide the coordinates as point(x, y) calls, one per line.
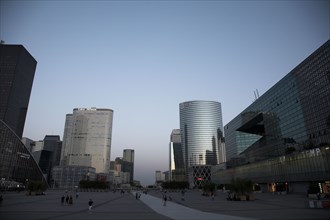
point(201, 134)
point(128, 163)
point(17, 69)
point(282, 139)
point(87, 138)
point(176, 157)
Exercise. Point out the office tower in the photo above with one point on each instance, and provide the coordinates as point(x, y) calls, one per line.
point(17, 69)
point(128, 163)
point(201, 132)
point(87, 138)
point(283, 137)
point(176, 157)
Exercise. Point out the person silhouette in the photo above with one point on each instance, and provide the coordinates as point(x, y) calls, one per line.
point(90, 204)
point(62, 199)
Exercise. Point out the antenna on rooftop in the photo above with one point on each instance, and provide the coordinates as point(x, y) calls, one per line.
point(256, 94)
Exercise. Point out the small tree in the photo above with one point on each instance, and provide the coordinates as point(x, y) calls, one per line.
point(36, 186)
point(209, 188)
point(241, 186)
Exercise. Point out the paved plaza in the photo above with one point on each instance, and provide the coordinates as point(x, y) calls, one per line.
point(110, 205)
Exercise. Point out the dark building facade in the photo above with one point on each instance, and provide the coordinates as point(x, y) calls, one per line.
point(16, 162)
point(284, 135)
point(128, 163)
point(17, 165)
point(17, 69)
point(49, 155)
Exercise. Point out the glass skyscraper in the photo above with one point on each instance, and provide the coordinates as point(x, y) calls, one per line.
point(17, 69)
point(17, 165)
point(201, 133)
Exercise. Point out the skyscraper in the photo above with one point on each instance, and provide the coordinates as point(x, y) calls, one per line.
point(176, 157)
point(201, 133)
point(128, 163)
point(17, 69)
point(87, 138)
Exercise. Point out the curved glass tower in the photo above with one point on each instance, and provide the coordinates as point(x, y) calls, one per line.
point(201, 137)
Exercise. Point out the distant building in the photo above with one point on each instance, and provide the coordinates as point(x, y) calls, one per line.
point(118, 164)
point(282, 139)
point(201, 136)
point(128, 163)
point(176, 171)
point(159, 177)
point(28, 143)
point(47, 154)
point(17, 69)
point(87, 138)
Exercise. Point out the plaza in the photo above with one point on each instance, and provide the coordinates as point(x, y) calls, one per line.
point(114, 205)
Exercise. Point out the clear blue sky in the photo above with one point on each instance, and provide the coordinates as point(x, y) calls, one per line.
point(143, 58)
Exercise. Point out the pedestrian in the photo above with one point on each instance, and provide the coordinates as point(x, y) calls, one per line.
point(62, 199)
point(67, 199)
point(182, 194)
point(90, 204)
point(164, 199)
point(77, 195)
point(70, 200)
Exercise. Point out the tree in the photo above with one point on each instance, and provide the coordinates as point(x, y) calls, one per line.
point(241, 186)
point(209, 188)
point(36, 186)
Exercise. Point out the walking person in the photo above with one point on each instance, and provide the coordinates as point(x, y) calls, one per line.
point(67, 199)
point(90, 204)
point(70, 200)
point(62, 199)
point(182, 194)
point(164, 199)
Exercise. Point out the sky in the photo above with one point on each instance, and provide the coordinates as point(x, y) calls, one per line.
point(143, 58)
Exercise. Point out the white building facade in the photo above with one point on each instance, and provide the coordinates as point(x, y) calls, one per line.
point(87, 138)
